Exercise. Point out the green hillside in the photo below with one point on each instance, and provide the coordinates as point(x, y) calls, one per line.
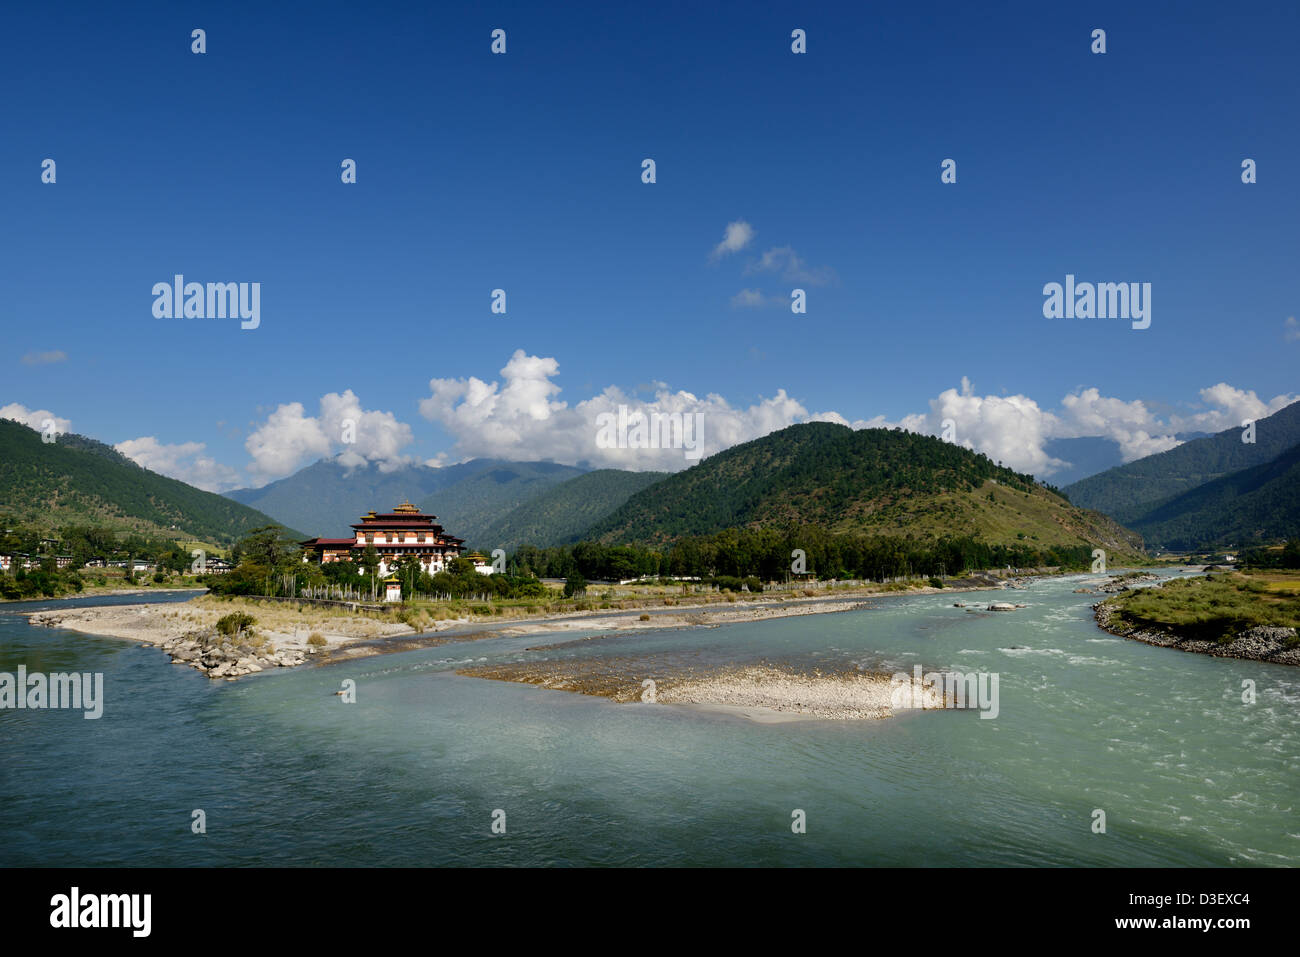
point(77, 480)
point(561, 514)
point(1249, 507)
point(1129, 492)
point(874, 480)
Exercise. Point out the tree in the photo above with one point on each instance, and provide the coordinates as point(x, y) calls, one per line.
point(575, 585)
point(265, 546)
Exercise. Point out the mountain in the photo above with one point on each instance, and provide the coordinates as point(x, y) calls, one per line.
point(472, 504)
point(561, 514)
point(76, 480)
point(873, 480)
point(1129, 492)
point(327, 497)
point(1251, 506)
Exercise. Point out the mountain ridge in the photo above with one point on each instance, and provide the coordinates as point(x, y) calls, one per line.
point(79, 480)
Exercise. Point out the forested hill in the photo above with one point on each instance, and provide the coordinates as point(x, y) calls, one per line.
point(1129, 492)
point(1249, 507)
point(561, 514)
point(77, 480)
point(873, 480)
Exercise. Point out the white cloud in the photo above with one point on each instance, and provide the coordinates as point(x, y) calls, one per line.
point(522, 418)
point(1231, 406)
point(290, 438)
point(44, 358)
point(1136, 429)
point(38, 419)
point(791, 267)
point(738, 235)
point(1012, 429)
point(1015, 429)
point(1292, 329)
point(183, 460)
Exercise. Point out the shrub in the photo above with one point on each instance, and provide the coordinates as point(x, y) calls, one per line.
point(936, 582)
point(235, 622)
point(644, 618)
point(316, 640)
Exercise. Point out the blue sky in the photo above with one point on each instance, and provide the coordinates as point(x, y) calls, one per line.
point(523, 172)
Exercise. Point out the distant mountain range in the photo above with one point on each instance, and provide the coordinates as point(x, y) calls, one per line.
point(880, 481)
point(467, 498)
point(1211, 492)
point(78, 481)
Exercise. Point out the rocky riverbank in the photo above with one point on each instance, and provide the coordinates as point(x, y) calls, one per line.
point(281, 638)
point(1261, 643)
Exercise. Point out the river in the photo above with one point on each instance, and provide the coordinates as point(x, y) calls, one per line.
point(287, 773)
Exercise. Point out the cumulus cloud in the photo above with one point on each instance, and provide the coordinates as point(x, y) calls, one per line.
point(38, 419)
point(44, 358)
point(1131, 424)
point(521, 418)
point(1230, 406)
point(1015, 430)
point(1012, 429)
point(182, 460)
point(737, 236)
point(784, 261)
point(289, 438)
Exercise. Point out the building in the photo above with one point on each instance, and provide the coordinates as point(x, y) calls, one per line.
point(216, 566)
point(481, 564)
point(404, 532)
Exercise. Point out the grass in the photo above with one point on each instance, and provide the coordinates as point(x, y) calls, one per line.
point(1216, 607)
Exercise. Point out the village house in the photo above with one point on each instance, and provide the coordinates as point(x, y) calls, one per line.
point(403, 532)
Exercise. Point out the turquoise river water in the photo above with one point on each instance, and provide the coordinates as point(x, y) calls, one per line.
point(411, 773)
